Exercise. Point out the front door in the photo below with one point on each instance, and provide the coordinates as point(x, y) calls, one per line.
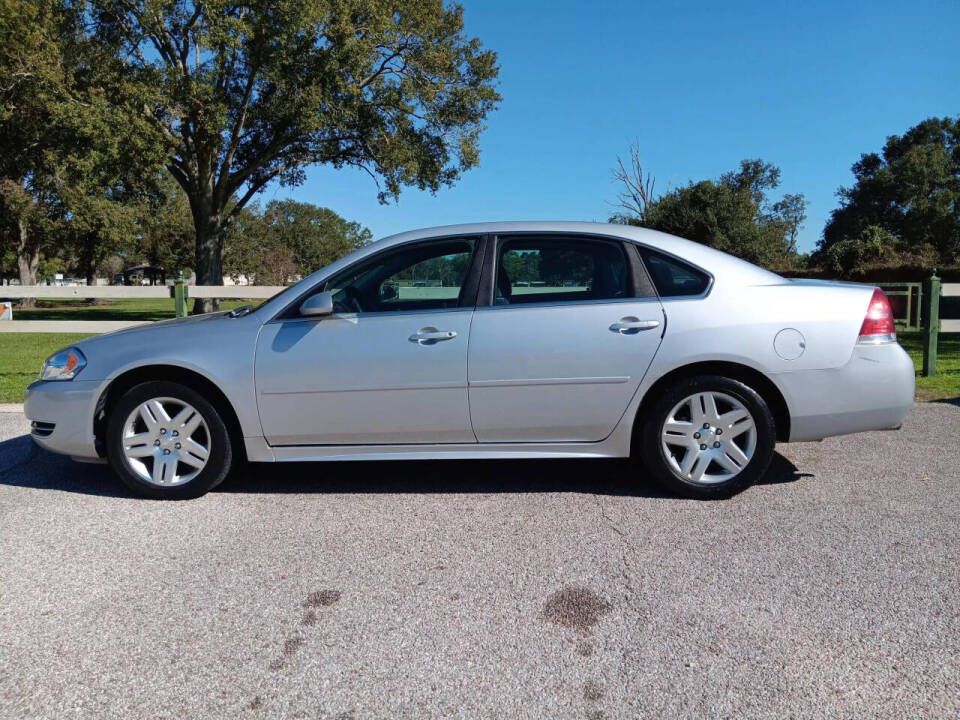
point(388, 367)
point(561, 349)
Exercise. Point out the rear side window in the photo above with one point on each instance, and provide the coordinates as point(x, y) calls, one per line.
point(672, 277)
point(536, 270)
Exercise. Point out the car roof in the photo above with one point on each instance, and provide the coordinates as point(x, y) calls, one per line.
point(717, 263)
point(712, 260)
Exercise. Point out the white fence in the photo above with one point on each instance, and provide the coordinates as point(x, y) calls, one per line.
point(252, 292)
point(224, 292)
point(14, 292)
point(950, 290)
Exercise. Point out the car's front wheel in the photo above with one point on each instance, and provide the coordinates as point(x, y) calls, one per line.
point(166, 441)
point(707, 437)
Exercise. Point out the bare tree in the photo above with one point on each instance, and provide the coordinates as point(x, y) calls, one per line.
point(636, 194)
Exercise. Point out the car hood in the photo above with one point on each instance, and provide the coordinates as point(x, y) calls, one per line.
point(187, 324)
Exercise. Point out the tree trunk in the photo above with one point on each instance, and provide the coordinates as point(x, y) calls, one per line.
point(28, 260)
point(87, 262)
point(209, 258)
point(92, 282)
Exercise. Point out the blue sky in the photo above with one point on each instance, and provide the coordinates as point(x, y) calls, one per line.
point(699, 85)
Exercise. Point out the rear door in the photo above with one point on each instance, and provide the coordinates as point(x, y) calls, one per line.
point(566, 330)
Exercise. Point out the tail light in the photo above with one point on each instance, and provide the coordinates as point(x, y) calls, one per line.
point(878, 324)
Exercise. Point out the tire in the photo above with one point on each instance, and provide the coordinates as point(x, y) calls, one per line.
point(164, 459)
point(727, 455)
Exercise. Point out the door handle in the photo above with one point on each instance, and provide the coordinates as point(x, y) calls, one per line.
point(431, 336)
point(631, 326)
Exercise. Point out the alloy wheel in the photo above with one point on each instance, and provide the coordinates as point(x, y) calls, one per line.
point(166, 441)
point(708, 438)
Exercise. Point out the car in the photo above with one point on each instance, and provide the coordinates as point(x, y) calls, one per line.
point(517, 340)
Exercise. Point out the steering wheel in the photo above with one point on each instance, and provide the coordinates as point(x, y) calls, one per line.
point(348, 301)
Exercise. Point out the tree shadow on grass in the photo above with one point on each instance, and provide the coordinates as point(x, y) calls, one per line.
point(24, 465)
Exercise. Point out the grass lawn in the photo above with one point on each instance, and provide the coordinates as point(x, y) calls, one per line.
point(946, 383)
point(21, 354)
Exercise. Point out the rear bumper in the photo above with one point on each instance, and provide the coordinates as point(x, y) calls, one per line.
point(874, 391)
point(68, 407)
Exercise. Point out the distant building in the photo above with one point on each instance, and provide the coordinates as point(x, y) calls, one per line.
point(141, 275)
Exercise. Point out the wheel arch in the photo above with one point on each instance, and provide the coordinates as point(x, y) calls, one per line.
point(744, 373)
point(172, 373)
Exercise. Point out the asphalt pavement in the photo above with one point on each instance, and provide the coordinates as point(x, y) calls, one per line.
point(488, 589)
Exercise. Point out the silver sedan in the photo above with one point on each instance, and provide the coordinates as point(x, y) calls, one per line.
point(498, 340)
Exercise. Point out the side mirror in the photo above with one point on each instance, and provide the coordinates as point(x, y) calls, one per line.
point(388, 292)
point(317, 305)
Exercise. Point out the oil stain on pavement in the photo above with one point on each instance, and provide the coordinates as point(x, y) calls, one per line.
point(576, 608)
point(316, 599)
point(579, 608)
point(322, 598)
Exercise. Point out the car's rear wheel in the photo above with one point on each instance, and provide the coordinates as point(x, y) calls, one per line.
point(707, 437)
point(166, 441)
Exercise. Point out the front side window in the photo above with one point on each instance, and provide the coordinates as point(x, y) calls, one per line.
point(672, 277)
point(426, 276)
point(536, 270)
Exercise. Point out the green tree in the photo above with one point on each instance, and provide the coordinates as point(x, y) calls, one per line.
point(8, 255)
point(164, 233)
point(734, 214)
point(791, 210)
point(32, 88)
point(522, 265)
point(248, 93)
point(874, 247)
point(71, 159)
point(316, 236)
point(245, 240)
point(95, 227)
point(910, 191)
point(287, 238)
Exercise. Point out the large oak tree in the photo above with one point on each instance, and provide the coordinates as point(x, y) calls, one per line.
point(245, 93)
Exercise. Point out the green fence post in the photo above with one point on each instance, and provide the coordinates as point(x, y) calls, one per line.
point(931, 302)
point(180, 295)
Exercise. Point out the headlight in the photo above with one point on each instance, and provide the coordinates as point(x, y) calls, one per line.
point(63, 365)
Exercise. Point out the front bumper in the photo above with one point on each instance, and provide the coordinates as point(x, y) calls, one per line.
point(873, 391)
point(69, 407)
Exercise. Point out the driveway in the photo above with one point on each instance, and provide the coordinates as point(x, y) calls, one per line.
point(494, 589)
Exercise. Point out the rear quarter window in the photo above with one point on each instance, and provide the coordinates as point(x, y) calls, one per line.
point(673, 277)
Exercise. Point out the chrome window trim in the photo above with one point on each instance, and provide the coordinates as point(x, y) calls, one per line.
point(318, 285)
point(616, 238)
point(347, 316)
point(701, 296)
point(497, 238)
point(568, 303)
point(493, 237)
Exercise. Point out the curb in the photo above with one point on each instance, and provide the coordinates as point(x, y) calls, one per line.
point(11, 408)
